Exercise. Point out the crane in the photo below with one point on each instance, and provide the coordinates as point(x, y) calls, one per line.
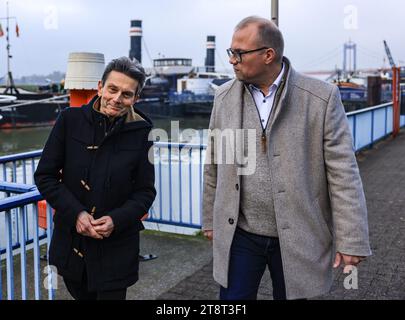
point(388, 51)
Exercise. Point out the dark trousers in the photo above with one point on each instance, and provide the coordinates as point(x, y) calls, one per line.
point(79, 291)
point(249, 256)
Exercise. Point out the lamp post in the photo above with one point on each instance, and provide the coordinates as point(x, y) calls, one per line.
point(274, 12)
point(396, 92)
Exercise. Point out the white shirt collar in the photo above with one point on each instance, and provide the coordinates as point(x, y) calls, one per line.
point(275, 84)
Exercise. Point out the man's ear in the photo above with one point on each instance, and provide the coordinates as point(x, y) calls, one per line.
point(270, 56)
point(100, 88)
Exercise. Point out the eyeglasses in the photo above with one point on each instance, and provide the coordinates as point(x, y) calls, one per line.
point(238, 53)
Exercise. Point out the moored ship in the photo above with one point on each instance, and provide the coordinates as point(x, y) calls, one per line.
point(26, 109)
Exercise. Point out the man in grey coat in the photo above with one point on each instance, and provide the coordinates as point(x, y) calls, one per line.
point(281, 183)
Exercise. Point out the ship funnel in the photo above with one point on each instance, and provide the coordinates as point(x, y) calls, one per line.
point(136, 40)
point(210, 59)
point(84, 70)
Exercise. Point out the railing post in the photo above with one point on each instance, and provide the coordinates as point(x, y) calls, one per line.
point(354, 132)
point(160, 183)
point(23, 252)
point(190, 182)
point(51, 278)
point(170, 185)
point(4, 172)
point(395, 100)
point(180, 187)
point(1, 279)
point(37, 263)
point(9, 257)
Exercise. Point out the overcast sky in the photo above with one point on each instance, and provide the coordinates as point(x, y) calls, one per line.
point(314, 30)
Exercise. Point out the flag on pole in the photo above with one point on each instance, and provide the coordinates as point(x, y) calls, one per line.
point(17, 30)
point(1, 31)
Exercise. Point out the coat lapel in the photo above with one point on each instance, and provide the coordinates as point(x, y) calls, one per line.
point(281, 103)
point(282, 95)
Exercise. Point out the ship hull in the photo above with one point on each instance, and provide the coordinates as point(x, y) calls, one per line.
point(35, 115)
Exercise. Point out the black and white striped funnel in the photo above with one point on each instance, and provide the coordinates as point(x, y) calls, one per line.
point(136, 40)
point(210, 59)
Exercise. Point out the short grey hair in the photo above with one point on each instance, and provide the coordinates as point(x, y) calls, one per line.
point(131, 68)
point(269, 35)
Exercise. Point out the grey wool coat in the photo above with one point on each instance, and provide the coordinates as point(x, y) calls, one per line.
point(318, 195)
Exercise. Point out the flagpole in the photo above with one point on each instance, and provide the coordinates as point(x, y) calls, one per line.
point(10, 86)
point(8, 47)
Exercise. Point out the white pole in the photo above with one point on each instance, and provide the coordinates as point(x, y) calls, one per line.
point(8, 48)
point(274, 12)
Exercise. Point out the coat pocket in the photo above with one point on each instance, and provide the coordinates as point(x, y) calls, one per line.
point(120, 257)
point(75, 265)
point(320, 219)
point(60, 247)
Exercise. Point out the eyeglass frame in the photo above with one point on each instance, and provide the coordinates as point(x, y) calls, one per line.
point(238, 54)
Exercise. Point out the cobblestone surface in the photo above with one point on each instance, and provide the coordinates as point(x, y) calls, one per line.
point(381, 276)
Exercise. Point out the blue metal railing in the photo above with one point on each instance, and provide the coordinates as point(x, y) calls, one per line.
point(178, 182)
point(370, 125)
point(16, 198)
point(19, 168)
point(18, 208)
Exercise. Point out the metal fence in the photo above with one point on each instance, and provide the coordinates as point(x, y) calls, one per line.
point(22, 236)
point(370, 125)
point(179, 183)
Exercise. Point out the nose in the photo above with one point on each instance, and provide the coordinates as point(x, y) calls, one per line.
point(233, 61)
point(117, 97)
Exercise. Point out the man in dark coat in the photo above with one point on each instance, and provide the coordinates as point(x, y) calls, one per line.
point(97, 172)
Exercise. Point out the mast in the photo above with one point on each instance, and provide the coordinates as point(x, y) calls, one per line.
point(8, 46)
point(10, 86)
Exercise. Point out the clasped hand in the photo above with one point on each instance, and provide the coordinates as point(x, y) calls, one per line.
point(98, 229)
